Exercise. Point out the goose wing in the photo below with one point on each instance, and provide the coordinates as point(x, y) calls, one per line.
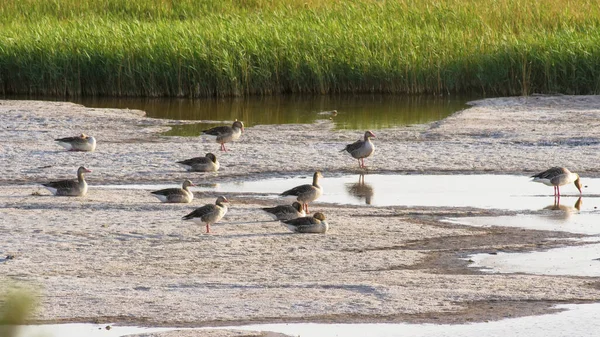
point(551, 173)
point(73, 140)
point(282, 212)
point(298, 190)
point(354, 146)
point(201, 212)
point(194, 161)
point(168, 191)
point(218, 131)
point(62, 184)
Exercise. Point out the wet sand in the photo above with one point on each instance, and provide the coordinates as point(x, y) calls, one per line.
point(120, 256)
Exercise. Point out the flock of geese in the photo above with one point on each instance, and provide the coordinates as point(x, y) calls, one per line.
point(294, 216)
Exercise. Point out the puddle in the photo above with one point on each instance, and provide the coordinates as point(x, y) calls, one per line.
point(565, 217)
point(81, 330)
point(570, 261)
point(506, 192)
point(576, 320)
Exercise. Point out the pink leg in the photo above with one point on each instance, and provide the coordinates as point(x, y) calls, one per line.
point(207, 228)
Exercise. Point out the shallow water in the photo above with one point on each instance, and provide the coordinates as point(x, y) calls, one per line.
point(564, 218)
point(82, 330)
point(354, 111)
point(504, 192)
point(571, 261)
point(577, 320)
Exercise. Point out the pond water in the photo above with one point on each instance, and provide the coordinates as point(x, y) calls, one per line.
point(353, 111)
point(506, 192)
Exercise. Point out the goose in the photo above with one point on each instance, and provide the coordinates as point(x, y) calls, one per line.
point(557, 176)
point(361, 149)
point(209, 214)
point(309, 224)
point(226, 134)
point(285, 212)
point(176, 195)
point(208, 163)
point(306, 193)
point(70, 188)
point(82, 142)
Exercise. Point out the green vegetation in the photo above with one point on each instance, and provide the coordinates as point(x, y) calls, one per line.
point(16, 306)
point(195, 48)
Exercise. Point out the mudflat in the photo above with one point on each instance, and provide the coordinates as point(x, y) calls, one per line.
point(121, 256)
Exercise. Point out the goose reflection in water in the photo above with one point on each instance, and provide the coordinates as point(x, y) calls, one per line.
point(566, 211)
point(361, 189)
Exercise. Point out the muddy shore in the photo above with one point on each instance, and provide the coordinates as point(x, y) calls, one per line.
point(119, 256)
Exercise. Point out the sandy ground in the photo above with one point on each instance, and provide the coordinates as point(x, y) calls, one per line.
point(120, 256)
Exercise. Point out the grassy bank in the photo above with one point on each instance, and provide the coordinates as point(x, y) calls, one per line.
point(222, 48)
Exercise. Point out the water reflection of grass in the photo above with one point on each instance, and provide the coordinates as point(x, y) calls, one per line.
point(357, 112)
point(16, 306)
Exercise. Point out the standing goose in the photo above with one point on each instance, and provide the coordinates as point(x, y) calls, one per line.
point(82, 142)
point(361, 149)
point(226, 134)
point(307, 193)
point(176, 195)
point(309, 224)
point(70, 188)
point(208, 163)
point(285, 212)
point(557, 176)
point(209, 214)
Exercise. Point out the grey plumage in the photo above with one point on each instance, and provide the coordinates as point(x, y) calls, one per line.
point(72, 188)
point(285, 212)
point(315, 224)
point(209, 214)
point(176, 195)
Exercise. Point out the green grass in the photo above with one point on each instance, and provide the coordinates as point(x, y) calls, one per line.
point(193, 48)
point(16, 307)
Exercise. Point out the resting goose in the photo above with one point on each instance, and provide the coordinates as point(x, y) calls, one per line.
point(556, 177)
point(226, 134)
point(208, 163)
point(82, 142)
point(309, 224)
point(285, 212)
point(176, 195)
point(361, 149)
point(209, 214)
point(70, 188)
point(307, 193)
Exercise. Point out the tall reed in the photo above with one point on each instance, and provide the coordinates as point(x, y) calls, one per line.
point(220, 48)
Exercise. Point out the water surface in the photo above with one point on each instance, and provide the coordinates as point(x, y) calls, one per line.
point(487, 191)
point(568, 261)
point(353, 111)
